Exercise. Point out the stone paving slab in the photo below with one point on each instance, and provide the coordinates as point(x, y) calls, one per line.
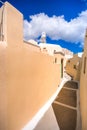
point(66, 117)
point(67, 97)
point(71, 84)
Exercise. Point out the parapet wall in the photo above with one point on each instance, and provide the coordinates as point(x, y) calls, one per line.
point(28, 78)
point(3, 88)
point(83, 87)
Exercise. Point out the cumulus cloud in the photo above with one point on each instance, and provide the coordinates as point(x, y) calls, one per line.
point(56, 27)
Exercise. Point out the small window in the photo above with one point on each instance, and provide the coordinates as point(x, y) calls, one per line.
point(44, 48)
point(74, 67)
point(54, 51)
point(55, 60)
point(68, 61)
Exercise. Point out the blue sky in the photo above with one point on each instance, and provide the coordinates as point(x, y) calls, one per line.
point(64, 21)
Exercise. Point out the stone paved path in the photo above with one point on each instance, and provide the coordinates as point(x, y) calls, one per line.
point(66, 107)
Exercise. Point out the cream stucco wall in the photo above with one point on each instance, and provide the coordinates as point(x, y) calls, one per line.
point(32, 46)
point(83, 87)
point(32, 80)
point(59, 59)
point(28, 78)
point(50, 48)
point(3, 89)
point(73, 67)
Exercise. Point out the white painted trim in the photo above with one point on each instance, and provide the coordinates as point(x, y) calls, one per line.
point(32, 124)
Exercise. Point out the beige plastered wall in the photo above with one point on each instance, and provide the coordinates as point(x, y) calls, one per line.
point(83, 88)
point(75, 61)
point(59, 57)
point(28, 78)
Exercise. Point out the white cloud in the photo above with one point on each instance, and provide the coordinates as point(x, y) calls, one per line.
point(56, 27)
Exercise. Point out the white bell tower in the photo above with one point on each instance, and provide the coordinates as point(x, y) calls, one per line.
point(43, 37)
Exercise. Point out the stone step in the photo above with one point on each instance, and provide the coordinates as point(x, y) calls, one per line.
point(66, 117)
point(65, 106)
point(67, 97)
point(71, 84)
